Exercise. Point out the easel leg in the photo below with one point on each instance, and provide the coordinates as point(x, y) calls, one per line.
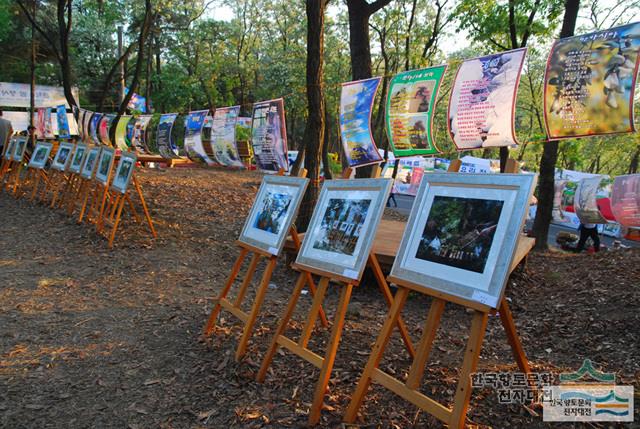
point(211, 323)
point(255, 309)
point(116, 222)
point(376, 354)
point(469, 365)
point(330, 354)
point(506, 317)
point(144, 207)
point(255, 259)
point(384, 288)
point(426, 342)
point(268, 357)
point(134, 212)
point(318, 299)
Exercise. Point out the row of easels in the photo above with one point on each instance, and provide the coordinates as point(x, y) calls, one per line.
point(408, 388)
point(63, 185)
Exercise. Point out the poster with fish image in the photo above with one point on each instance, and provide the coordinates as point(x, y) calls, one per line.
point(483, 101)
point(138, 132)
point(166, 146)
point(356, 104)
point(103, 129)
point(63, 122)
point(589, 83)
point(269, 135)
point(193, 136)
point(223, 136)
point(410, 107)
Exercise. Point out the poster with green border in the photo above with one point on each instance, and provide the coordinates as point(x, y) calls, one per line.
point(410, 107)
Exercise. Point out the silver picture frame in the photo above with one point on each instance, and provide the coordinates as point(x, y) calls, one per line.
point(343, 227)
point(462, 234)
point(9, 149)
point(20, 147)
point(273, 212)
point(63, 156)
point(105, 165)
point(78, 158)
point(124, 171)
point(40, 155)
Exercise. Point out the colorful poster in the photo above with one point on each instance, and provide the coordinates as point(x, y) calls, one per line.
point(103, 129)
point(590, 82)
point(166, 145)
point(137, 102)
point(625, 200)
point(93, 128)
point(63, 123)
point(48, 126)
point(408, 179)
point(193, 136)
point(483, 101)
point(356, 103)
point(86, 122)
point(223, 136)
point(557, 215)
point(137, 130)
point(410, 107)
point(121, 131)
point(207, 142)
point(40, 127)
point(269, 135)
point(585, 201)
point(19, 95)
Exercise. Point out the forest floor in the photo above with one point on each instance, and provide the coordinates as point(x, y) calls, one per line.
point(92, 337)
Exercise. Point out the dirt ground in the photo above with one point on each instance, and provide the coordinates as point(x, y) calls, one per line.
point(92, 337)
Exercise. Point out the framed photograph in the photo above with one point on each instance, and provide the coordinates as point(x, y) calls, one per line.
point(462, 234)
point(105, 164)
point(90, 162)
point(63, 156)
point(124, 171)
point(343, 226)
point(20, 146)
point(8, 150)
point(78, 158)
point(40, 155)
point(273, 211)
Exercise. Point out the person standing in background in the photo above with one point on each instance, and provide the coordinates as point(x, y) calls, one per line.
point(588, 230)
point(6, 130)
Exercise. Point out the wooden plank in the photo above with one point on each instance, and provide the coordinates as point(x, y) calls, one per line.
point(312, 316)
point(429, 405)
point(227, 305)
point(306, 354)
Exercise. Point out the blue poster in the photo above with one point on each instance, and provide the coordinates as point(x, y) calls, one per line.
point(193, 136)
point(269, 135)
point(93, 128)
point(63, 122)
point(356, 103)
point(166, 146)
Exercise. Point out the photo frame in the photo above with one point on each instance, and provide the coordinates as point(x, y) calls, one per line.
point(343, 226)
point(90, 162)
point(63, 156)
point(78, 158)
point(124, 171)
point(462, 234)
point(105, 164)
point(40, 155)
point(20, 147)
point(273, 212)
point(8, 151)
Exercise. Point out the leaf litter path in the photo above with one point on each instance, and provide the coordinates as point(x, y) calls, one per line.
point(91, 337)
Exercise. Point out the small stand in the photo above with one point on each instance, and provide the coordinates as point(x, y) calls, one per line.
point(235, 307)
point(408, 390)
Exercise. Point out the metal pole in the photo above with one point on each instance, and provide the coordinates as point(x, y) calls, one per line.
point(121, 63)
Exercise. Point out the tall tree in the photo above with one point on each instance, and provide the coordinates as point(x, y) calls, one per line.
point(315, 128)
point(550, 152)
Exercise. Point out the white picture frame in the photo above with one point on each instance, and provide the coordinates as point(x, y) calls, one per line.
point(20, 147)
point(124, 171)
point(77, 161)
point(462, 235)
point(273, 212)
point(343, 227)
point(90, 162)
point(40, 155)
point(9, 149)
point(105, 165)
point(63, 156)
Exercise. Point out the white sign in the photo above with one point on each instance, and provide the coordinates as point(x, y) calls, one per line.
point(19, 95)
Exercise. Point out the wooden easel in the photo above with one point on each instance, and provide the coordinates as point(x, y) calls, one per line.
point(300, 348)
point(454, 417)
point(235, 307)
point(111, 211)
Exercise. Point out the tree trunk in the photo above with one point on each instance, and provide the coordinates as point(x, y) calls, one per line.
point(633, 165)
point(328, 174)
point(550, 153)
point(314, 130)
point(64, 28)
